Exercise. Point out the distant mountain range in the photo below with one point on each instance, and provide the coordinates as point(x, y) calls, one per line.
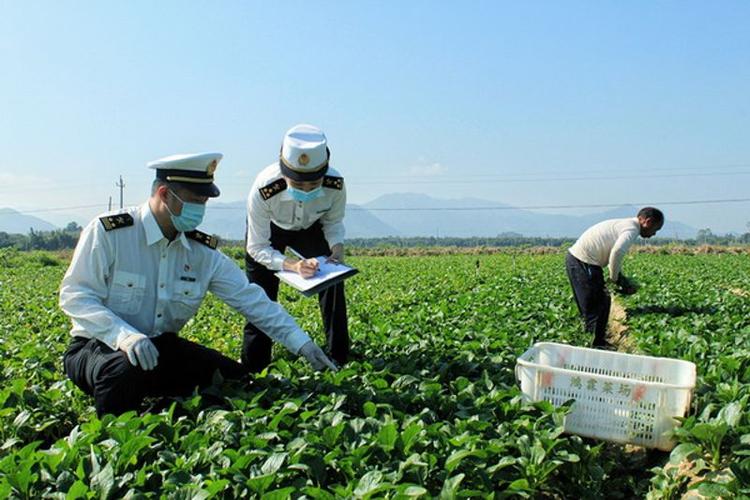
point(13, 222)
point(421, 215)
point(409, 214)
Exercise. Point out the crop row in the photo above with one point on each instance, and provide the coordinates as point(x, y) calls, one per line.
point(429, 407)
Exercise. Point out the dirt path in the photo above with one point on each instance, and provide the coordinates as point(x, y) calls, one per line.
point(617, 328)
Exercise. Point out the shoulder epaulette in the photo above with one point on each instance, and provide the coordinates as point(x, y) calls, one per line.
point(332, 182)
point(273, 188)
point(116, 221)
point(201, 237)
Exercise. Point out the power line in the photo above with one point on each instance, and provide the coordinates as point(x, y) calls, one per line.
point(527, 207)
point(443, 209)
point(56, 209)
point(527, 177)
point(526, 173)
point(546, 207)
point(593, 171)
point(57, 186)
point(550, 179)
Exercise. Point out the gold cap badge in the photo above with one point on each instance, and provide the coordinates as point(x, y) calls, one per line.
point(303, 159)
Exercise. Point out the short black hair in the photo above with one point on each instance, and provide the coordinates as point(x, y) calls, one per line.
point(651, 213)
point(173, 186)
point(155, 185)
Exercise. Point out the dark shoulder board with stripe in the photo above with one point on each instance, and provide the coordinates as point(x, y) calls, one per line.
point(272, 189)
point(116, 221)
point(201, 237)
point(332, 182)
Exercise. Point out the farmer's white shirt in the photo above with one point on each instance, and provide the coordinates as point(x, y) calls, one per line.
point(134, 280)
point(287, 213)
point(606, 243)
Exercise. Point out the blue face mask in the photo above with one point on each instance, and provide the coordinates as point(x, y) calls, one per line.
point(190, 216)
point(305, 196)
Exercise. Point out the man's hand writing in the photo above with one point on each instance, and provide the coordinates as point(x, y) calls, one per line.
point(307, 267)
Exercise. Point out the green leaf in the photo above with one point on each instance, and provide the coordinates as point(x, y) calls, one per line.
point(130, 448)
point(706, 432)
point(77, 490)
point(22, 479)
point(732, 413)
point(413, 491)
point(280, 494)
point(273, 463)
point(318, 493)
point(683, 451)
point(387, 436)
point(289, 407)
point(450, 487)
point(503, 463)
point(369, 409)
point(331, 434)
point(741, 471)
point(714, 490)
point(259, 484)
point(21, 419)
point(410, 435)
point(370, 483)
point(103, 481)
point(214, 487)
point(5, 488)
point(519, 485)
point(455, 458)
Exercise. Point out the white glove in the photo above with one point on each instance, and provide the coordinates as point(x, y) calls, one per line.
point(316, 357)
point(140, 350)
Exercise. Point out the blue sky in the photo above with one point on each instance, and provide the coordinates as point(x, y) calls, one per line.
point(525, 103)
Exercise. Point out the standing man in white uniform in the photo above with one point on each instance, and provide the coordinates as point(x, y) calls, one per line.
point(605, 244)
point(299, 202)
point(138, 275)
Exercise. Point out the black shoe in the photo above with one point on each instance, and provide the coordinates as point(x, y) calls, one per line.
point(603, 345)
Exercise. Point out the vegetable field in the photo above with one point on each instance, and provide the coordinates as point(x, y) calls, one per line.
point(428, 408)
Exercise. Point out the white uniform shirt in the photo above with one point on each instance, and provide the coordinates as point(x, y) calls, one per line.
point(287, 213)
point(606, 243)
point(133, 280)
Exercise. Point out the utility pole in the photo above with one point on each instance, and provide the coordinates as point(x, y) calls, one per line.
point(120, 185)
point(109, 205)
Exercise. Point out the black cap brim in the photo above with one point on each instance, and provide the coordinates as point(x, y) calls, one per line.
point(211, 190)
point(302, 176)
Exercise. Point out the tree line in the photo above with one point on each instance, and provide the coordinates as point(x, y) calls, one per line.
point(58, 239)
point(61, 239)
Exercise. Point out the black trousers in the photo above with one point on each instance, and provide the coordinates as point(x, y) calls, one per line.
point(310, 242)
point(591, 296)
point(117, 386)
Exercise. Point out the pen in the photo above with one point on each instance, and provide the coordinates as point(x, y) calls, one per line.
point(296, 253)
point(301, 257)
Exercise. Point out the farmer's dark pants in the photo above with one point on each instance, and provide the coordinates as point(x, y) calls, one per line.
point(310, 242)
point(591, 296)
point(117, 386)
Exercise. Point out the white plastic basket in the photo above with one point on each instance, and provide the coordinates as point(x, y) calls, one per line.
point(625, 398)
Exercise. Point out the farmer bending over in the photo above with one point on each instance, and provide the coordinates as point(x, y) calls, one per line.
point(605, 244)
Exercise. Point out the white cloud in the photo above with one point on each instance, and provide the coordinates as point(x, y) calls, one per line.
point(431, 170)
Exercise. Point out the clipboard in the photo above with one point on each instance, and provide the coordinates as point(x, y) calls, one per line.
point(328, 274)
